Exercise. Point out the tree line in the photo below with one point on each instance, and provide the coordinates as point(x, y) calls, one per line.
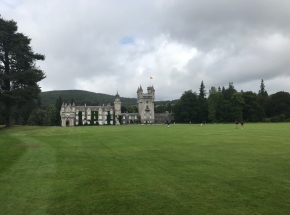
point(228, 105)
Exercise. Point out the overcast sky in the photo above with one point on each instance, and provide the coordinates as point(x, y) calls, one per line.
point(108, 45)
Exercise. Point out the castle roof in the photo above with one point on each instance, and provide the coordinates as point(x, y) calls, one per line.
point(139, 89)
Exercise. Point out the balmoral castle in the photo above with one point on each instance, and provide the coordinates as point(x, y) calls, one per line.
point(72, 115)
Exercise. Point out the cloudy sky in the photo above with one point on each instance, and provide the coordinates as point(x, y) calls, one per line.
point(108, 45)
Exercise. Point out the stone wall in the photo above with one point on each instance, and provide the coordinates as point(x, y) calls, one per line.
point(161, 118)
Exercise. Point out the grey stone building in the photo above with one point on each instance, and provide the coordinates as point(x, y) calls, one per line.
point(145, 103)
point(72, 115)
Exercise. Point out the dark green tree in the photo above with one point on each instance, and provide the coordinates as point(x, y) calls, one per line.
point(123, 109)
point(262, 90)
point(51, 115)
point(18, 71)
point(185, 108)
point(226, 108)
point(279, 104)
point(213, 103)
point(160, 108)
point(263, 97)
point(37, 117)
point(202, 106)
point(212, 90)
point(23, 112)
point(236, 108)
point(169, 107)
point(132, 109)
point(202, 91)
point(252, 110)
point(222, 108)
point(58, 105)
point(229, 92)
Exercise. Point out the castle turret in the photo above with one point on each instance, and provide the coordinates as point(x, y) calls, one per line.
point(73, 107)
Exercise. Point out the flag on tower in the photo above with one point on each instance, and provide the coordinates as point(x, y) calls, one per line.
point(151, 77)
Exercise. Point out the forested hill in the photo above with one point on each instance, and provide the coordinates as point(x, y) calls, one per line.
point(80, 97)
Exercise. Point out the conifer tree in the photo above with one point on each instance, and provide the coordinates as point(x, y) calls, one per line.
point(202, 92)
point(202, 106)
point(263, 96)
point(262, 90)
point(18, 72)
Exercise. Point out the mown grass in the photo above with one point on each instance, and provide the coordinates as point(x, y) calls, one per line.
point(184, 169)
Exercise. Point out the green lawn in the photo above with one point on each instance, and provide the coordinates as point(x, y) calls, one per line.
point(184, 169)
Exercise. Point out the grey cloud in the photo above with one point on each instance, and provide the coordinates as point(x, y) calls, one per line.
point(239, 41)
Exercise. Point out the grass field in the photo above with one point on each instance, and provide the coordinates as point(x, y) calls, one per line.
point(184, 169)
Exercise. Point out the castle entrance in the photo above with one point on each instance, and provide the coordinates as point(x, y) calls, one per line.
point(67, 122)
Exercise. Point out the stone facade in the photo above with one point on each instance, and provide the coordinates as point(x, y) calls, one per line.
point(68, 114)
point(145, 103)
point(72, 115)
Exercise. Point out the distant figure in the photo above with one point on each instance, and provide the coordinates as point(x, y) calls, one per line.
point(237, 123)
point(200, 124)
point(242, 124)
point(168, 124)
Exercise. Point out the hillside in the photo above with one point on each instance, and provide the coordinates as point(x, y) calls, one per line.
point(81, 97)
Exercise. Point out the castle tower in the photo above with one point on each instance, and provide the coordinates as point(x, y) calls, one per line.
point(117, 107)
point(146, 104)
